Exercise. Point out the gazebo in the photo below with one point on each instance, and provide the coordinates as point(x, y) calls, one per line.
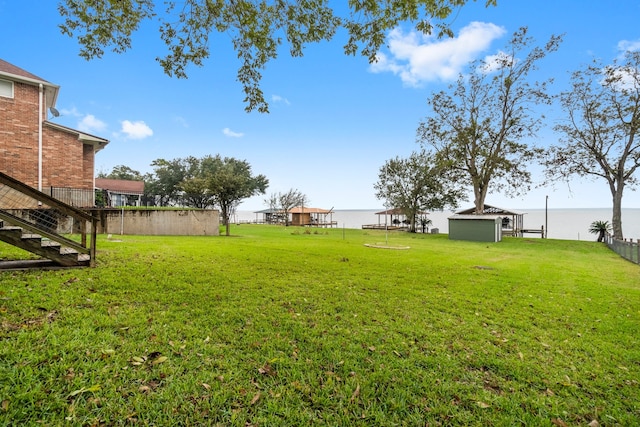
point(270, 216)
point(394, 219)
point(312, 217)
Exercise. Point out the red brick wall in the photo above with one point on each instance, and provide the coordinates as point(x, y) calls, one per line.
point(19, 134)
point(66, 162)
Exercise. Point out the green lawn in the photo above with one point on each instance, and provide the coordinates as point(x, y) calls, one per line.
point(284, 326)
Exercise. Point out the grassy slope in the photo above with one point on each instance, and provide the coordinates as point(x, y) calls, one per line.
point(278, 327)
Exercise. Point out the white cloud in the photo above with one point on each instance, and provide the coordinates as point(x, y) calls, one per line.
point(621, 78)
point(418, 58)
point(73, 112)
point(231, 134)
point(495, 62)
point(136, 130)
point(90, 123)
point(181, 121)
point(628, 45)
point(278, 98)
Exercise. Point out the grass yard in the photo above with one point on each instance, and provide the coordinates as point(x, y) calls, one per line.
point(277, 326)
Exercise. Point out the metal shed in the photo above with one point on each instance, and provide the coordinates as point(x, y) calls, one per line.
point(477, 228)
point(512, 221)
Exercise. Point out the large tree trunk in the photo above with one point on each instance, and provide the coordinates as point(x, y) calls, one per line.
point(225, 219)
point(616, 219)
point(480, 193)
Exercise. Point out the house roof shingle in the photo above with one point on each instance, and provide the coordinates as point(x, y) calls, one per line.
point(15, 73)
point(7, 68)
point(122, 186)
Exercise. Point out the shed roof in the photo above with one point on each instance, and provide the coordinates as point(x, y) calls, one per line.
point(268, 211)
point(122, 186)
point(396, 211)
point(475, 217)
point(489, 210)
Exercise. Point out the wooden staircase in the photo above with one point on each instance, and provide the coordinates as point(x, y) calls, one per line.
point(29, 232)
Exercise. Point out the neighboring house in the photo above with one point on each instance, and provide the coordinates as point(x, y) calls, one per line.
point(42, 154)
point(120, 192)
point(316, 217)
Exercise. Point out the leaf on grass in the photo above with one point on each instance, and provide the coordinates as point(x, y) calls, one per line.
point(483, 405)
point(144, 389)
point(255, 398)
point(206, 386)
point(160, 360)
point(594, 423)
point(520, 355)
point(558, 422)
point(5, 405)
point(372, 348)
point(355, 394)
point(267, 369)
point(137, 360)
point(91, 389)
point(207, 339)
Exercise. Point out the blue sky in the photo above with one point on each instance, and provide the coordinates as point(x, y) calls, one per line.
point(334, 119)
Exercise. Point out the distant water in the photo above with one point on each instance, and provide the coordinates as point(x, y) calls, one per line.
point(567, 224)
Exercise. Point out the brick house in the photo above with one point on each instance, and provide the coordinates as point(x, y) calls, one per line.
point(36, 151)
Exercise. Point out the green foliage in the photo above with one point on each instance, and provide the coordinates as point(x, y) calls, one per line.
point(166, 180)
point(257, 29)
point(416, 185)
point(601, 132)
point(479, 125)
point(230, 181)
point(275, 328)
point(122, 172)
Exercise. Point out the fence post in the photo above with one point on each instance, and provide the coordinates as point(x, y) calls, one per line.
point(94, 235)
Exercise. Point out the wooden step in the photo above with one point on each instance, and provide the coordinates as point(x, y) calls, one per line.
point(46, 248)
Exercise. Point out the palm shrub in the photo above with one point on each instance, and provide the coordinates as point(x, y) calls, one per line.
point(600, 228)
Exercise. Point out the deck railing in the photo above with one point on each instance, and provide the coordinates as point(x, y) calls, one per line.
point(77, 197)
point(627, 248)
point(41, 214)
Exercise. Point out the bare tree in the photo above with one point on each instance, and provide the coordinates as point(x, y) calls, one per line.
point(600, 133)
point(478, 128)
point(284, 202)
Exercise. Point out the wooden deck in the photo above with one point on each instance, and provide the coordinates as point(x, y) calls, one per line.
point(382, 227)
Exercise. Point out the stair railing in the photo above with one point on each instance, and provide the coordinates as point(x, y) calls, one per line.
point(26, 207)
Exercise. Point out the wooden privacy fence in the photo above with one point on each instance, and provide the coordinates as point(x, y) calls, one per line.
point(627, 248)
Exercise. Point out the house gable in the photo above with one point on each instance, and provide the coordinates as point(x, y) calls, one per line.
point(35, 151)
